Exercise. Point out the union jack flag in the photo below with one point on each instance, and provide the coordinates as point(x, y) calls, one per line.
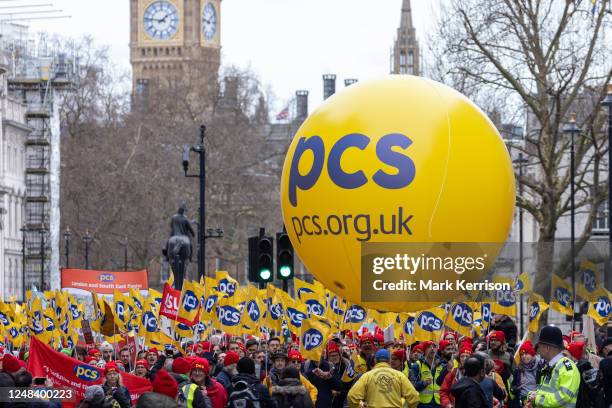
point(284, 114)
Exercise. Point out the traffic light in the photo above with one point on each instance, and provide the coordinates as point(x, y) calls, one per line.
point(284, 256)
point(261, 258)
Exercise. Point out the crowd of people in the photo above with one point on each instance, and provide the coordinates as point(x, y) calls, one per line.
point(493, 371)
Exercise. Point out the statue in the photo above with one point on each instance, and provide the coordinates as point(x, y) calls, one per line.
point(178, 247)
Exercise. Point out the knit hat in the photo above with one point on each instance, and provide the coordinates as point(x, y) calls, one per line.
point(332, 347)
point(230, 358)
point(443, 344)
point(426, 344)
point(576, 349)
point(200, 363)
point(10, 364)
point(465, 348)
point(142, 362)
point(152, 350)
point(366, 337)
point(94, 353)
point(246, 366)
point(446, 334)
point(527, 347)
point(90, 360)
point(295, 355)
point(400, 354)
point(180, 366)
point(278, 355)
point(552, 336)
point(23, 364)
point(165, 384)
point(94, 394)
point(417, 347)
point(382, 355)
point(497, 335)
point(110, 367)
point(67, 351)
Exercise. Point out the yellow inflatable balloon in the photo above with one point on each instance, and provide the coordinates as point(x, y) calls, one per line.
point(397, 159)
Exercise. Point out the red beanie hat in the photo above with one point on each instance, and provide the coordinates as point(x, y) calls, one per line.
point(443, 344)
point(180, 366)
point(110, 367)
point(366, 337)
point(527, 347)
point(332, 347)
point(152, 350)
point(446, 334)
point(200, 363)
point(295, 355)
point(418, 347)
point(426, 344)
point(10, 364)
point(231, 358)
point(466, 348)
point(400, 354)
point(206, 346)
point(576, 349)
point(165, 384)
point(497, 335)
point(94, 353)
point(142, 362)
point(23, 364)
point(380, 338)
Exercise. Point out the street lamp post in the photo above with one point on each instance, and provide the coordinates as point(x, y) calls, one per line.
point(125, 253)
point(521, 161)
point(87, 239)
point(573, 129)
point(201, 151)
point(607, 102)
point(67, 238)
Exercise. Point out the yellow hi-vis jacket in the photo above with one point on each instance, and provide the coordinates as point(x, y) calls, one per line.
point(558, 386)
point(383, 387)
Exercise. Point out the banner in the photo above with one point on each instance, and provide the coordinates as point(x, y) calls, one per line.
point(601, 308)
point(523, 284)
point(461, 318)
point(313, 339)
point(537, 306)
point(561, 296)
point(428, 325)
point(104, 282)
point(170, 302)
point(189, 307)
point(68, 372)
point(589, 278)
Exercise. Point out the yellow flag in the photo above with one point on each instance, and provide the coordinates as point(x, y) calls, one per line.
point(354, 317)
point(589, 278)
point(148, 324)
point(120, 310)
point(302, 287)
point(170, 280)
point(226, 285)
point(314, 303)
point(312, 339)
point(601, 309)
point(505, 300)
point(428, 325)
point(228, 317)
point(253, 311)
point(561, 296)
point(295, 313)
point(137, 300)
point(537, 306)
point(156, 296)
point(523, 284)
point(275, 311)
point(461, 318)
point(189, 305)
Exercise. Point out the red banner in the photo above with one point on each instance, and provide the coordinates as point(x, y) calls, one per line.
point(170, 302)
point(104, 282)
point(68, 372)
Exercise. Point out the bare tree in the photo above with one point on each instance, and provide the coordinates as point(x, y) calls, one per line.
point(543, 60)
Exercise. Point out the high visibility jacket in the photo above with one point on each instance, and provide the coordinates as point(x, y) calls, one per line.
point(431, 392)
point(383, 387)
point(558, 385)
point(189, 391)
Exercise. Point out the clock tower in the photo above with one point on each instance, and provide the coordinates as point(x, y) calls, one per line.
point(174, 39)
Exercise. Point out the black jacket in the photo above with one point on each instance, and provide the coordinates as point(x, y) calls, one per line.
point(120, 394)
point(324, 386)
point(605, 370)
point(509, 328)
point(260, 390)
point(468, 394)
point(291, 393)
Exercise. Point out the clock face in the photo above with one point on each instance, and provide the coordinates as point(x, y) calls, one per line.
point(209, 21)
point(161, 20)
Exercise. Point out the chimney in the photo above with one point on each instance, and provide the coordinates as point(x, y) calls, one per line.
point(349, 81)
point(301, 98)
point(230, 93)
point(329, 85)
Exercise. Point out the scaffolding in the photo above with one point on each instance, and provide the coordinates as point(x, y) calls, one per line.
point(36, 81)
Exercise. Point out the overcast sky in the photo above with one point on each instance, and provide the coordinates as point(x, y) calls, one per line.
point(289, 44)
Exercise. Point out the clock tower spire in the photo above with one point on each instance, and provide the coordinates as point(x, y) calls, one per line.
point(406, 56)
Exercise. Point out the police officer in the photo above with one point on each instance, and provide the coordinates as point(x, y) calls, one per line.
point(560, 379)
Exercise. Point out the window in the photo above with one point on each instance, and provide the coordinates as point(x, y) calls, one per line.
point(601, 222)
point(402, 62)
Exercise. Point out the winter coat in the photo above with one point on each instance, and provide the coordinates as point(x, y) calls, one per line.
point(260, 390)
point(589, 395)
point(291, 393)
point(469, 394)
point(605, 368)
point(274, 379)
point(383, 387)
point(338, 373)
point(216, 393)
point(446, 397)
point(324, 386)
point(224, 378)
point(524, 380)
point(492, 389)
point(509, 328)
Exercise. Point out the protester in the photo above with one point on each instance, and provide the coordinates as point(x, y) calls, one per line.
point(151, 356)
point(113, 386)
point(202, 386)
point(229, 368)
point(447, 400)
point(505, 324)
point(107, 351)
point(141, 368)
point(524, 377)
point(341, 371)
point(447, 360)
point(289, 392)
point(383, 386)
point(364, 361)
point(155, 400)
point(560, 378)
point(320, 375)
point(165, 384)
point(95, 397)
point(429, 370)
point(467, 392)
point(246, 387)
point(124, 356)
point(605, 368)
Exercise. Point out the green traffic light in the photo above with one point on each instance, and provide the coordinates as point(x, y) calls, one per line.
point(265, 274)
point(285, 271)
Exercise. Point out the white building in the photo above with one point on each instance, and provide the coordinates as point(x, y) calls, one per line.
point(13, 134)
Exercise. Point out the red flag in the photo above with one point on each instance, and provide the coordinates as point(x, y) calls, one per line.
point(68, 372)
point(170, 302)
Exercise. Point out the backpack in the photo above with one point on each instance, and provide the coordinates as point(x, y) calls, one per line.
point(243, 396)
